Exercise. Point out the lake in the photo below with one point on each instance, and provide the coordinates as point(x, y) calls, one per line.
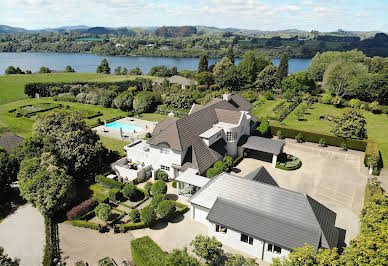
point(89, 62)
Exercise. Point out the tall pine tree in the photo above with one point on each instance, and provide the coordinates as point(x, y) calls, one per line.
point(282, 71)
point(103, 67)
point(230, 54)
point(203, 64)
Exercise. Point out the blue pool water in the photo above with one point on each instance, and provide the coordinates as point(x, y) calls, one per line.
point(125, 127)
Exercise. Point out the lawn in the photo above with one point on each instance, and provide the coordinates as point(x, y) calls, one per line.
point(12, 86)
point(152, 117)
point(114, 144)
point(377, 124)
point(265, 110)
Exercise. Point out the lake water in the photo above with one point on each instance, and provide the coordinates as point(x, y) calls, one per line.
point(89, 62)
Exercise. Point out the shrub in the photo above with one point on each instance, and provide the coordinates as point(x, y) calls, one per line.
point(237, 160)
point(268, 95)
point(343, 146)
point(148, 215)
point(129, 191)
point(159, 187)
point(133, 226)
point(134, 216)
point(211, 172)
point(86, 224)
point(147, 188)
point(146, 252)
point(355, 103)
point(108, 183)
point(375, 107)
point(103, 211)
point(174, 184)
point(162, 175)
point(166, 208)
point(322, 142)
point(372, 150)
point(157, 199)
point(114, 194)
point(182, 209)
point(228, 162)
point(263, 128)
point(208, 248)
point(326, 98)
point(280, 134)
point(81, 209)
point(299, 138)
point(219, 166)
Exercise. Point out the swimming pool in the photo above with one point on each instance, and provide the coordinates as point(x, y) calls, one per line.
point(125, 127)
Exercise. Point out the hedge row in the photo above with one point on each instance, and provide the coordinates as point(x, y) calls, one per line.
point(43, 87)
point(108, 183)
point(289, 168)
point(286, 112)
point(127, 227)
point(312, 136)
point(48, 252)
point(81, 209)
point(86, 224)
point(99, 122)
point(182, 209)
point(146, 252)
point(237, 160)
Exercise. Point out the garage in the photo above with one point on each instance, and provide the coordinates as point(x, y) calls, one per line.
point(259, 155)
point(199, 214)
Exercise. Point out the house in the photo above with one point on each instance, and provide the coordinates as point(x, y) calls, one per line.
point(176, 79)
point(254, 215)
point(210, 132)
point(10, 141)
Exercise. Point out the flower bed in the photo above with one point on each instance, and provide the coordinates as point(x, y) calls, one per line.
point(288, 162)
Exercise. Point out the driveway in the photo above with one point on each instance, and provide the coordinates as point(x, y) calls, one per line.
point(22, 235)
point(333, 177)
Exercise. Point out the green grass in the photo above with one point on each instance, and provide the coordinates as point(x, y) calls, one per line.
point(114, 144)
point(12, 86)
point(152, 117)
point(377, 124)
point(22, 126)
point(265, 110)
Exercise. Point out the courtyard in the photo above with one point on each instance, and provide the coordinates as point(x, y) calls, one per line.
point(333, 177)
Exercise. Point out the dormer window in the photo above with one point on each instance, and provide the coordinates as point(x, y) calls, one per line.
point(231, 136)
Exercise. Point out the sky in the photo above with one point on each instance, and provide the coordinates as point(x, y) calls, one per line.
point(322, 15)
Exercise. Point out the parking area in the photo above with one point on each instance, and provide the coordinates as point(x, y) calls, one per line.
point(333, 177)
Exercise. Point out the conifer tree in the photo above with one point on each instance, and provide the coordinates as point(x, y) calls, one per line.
point(203, 64)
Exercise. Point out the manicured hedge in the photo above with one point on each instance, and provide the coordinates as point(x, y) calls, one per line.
point(43, 87)
point(146, 252)
point(312, 136)
point(237, 160)
point(372, 149)
point(86, 224)
point(48, 252)
point(81, 209)
point(108, 183)
point(182, 209)
point(133, 226)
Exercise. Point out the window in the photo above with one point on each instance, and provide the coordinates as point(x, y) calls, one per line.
point(221, 229)
point(165, 150)
point(274, 249)
point(247, 239)
point(165, 168)
point(231, 136)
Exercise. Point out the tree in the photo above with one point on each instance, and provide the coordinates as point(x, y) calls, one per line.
point(103, 67)
point(135, 71)
point(351, 124)
point(157, 199)
point(159, 187)
point(208, 248)
point(5, 260)
point(239, 260)
point(203, 64)
point(69, 69)
point(230, 79)
point(118, 70)
point(166, 208)
point(299, 82)
point(230, 54)
point(103, 211)
point(182, 258)
point(145, 102)
point(248, 67)
point(221, 67)
point(12, 70)
point(124, 71)
point(129, 191)
point(44, 70)
point(205, 78)
point(74, 144)
point(162, 175)
point(148, 215)
point(8, 172)
point(49, 189)
point(282, 71)
point(124, 101)
point(159, 71)
point(134, 216)
point(266, 79)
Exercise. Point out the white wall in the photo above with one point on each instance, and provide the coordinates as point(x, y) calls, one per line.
point(268, 256)
point(199, 214)
point(233, 239)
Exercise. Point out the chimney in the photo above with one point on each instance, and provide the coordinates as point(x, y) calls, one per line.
point(227, 96)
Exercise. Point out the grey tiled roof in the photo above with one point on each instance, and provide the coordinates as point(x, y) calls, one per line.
point(241, 104)
point(262, 225)
point(261, 144)
point(284, 205)
point(10, 141)
point(261, 175)
point(226, 116)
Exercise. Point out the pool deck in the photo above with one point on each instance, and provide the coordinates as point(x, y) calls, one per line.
point(147, 126)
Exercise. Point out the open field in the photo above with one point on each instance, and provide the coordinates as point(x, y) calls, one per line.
point(377, 124)
point(12, 86)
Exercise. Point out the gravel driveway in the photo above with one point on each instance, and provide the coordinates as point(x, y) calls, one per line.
point(22, 235)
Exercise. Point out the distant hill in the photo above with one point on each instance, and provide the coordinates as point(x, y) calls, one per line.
point(9, 29)
point(172, 31)
point(65, 28)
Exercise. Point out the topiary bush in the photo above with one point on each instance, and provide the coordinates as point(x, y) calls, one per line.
point(355, 103)
point(162, 175)
point(174, 184)
point(129, 191)
point(114, 194)
point(134, 216)
point(103, 211)
point(147, 188)
point(157, 199)
point(159, 187)
point(80, 210)
point(148, 215)
point(166, 209)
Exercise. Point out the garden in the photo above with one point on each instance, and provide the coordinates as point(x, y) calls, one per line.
point(123, 207)
point(288, 162)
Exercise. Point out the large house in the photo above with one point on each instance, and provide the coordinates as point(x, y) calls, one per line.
point(254, 215)
point(221, 127)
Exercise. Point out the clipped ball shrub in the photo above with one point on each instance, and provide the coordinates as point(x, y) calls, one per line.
point(174, 184)
point(134, 216)
point(159, 187)
point(157, 199)
point(129, 191)
point(103, 211)
point(148, 215)
point(166, 208)
point(114, 194)
point(147, 188)
point(162, 175)
point(355, 103)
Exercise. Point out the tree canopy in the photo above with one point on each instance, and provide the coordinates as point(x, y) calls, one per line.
point(103, 67)
point(351, 124)
point(203, 64)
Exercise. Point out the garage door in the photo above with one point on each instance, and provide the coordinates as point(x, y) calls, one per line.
point(259, 155)
point(200, 214)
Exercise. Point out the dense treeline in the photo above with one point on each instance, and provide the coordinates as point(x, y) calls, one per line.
point(186, 42)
